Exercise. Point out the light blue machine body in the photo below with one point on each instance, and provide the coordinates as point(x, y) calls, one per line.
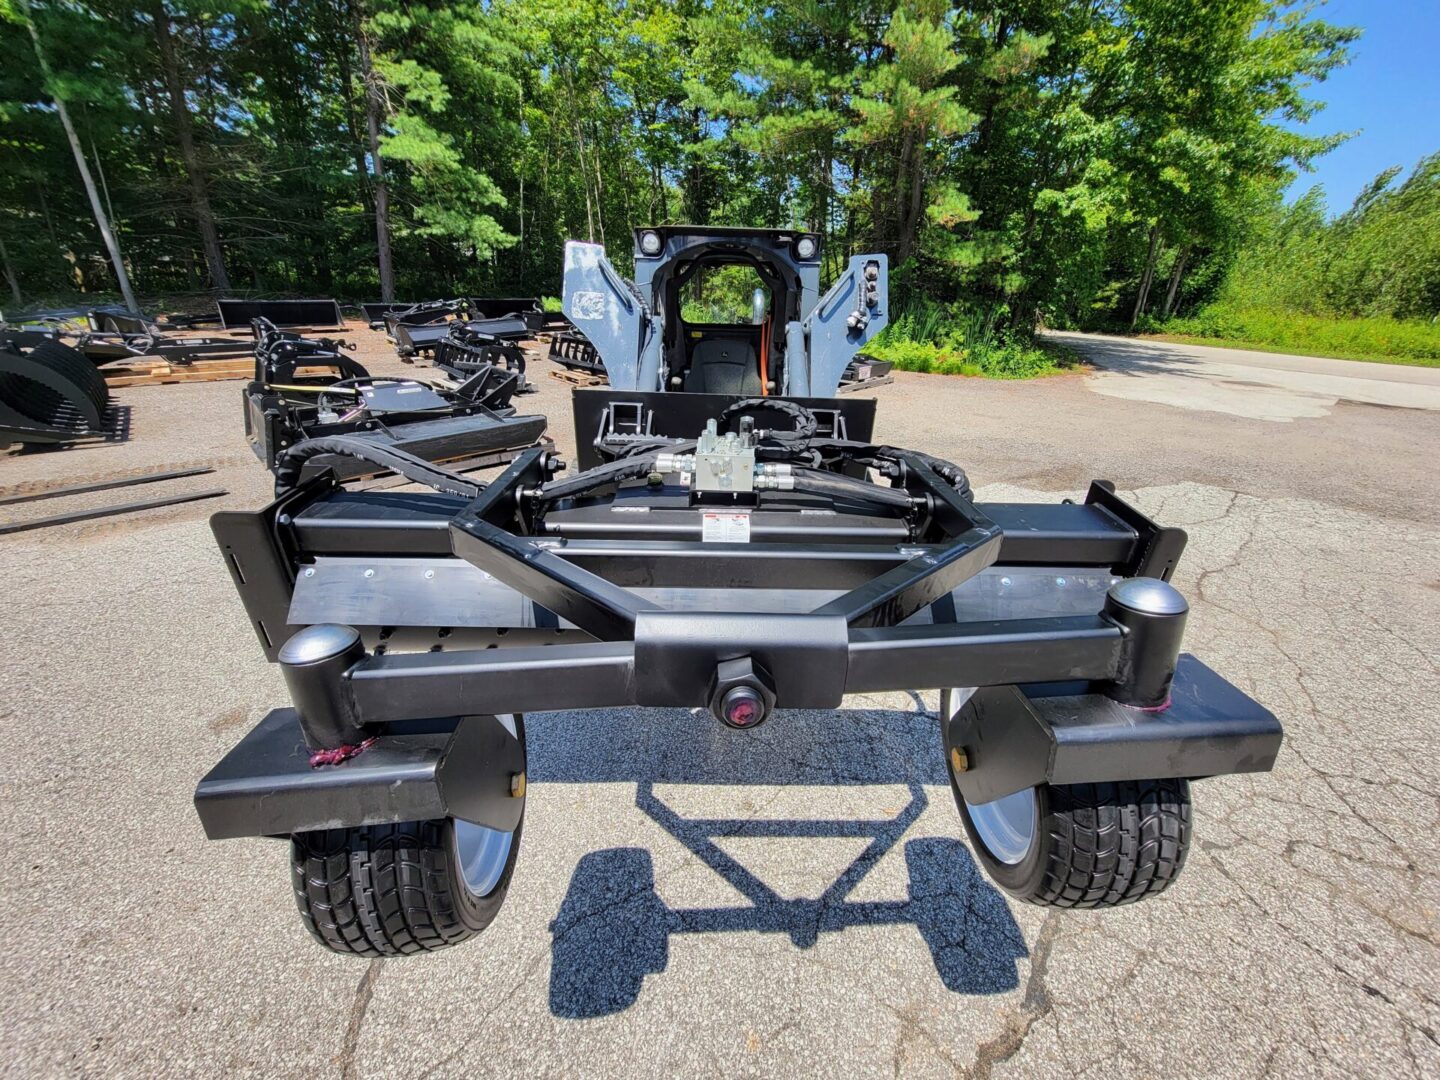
point(814, 337)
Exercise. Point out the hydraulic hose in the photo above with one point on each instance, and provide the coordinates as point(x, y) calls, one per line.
point(291, 463)
point(806, 423)
point(836, 486)
point(613, 472)
point(948, 471)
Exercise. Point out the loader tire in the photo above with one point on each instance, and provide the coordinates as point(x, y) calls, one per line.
point(396, 890)
point(1092, 845)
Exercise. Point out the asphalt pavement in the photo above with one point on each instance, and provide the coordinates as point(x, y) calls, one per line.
point(684, 903)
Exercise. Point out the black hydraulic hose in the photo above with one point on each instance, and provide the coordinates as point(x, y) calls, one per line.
point(291, 463)
point(809, 481)
point(836, 486)
point(806, 423)
point(640, 460)
point(613, 472)
point(643, 461)
point(948, 471)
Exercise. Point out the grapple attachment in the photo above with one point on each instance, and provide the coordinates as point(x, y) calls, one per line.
point(50, 394)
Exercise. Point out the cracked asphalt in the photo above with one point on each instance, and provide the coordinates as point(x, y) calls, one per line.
point(796, 900)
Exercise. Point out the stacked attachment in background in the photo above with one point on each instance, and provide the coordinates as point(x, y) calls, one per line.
point(50, 393)
point(307, 389)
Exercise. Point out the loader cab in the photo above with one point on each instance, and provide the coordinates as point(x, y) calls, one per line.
point(725, 297)
point(675, 359)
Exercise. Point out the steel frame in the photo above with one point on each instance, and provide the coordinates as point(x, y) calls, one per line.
point(855, 639)
point(624, 649)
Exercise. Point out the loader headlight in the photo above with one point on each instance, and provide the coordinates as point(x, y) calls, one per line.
point(650, 243)
point(806, 247)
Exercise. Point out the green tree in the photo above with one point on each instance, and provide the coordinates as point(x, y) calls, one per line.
point(908, 106)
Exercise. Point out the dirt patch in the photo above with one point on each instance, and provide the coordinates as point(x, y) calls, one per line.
point(229, 721)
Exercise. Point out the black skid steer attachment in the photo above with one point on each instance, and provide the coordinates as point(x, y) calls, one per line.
point(51, 394)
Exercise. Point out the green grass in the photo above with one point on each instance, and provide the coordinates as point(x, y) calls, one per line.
point(957, 339)
point(1381, 340)
point(1005, 360)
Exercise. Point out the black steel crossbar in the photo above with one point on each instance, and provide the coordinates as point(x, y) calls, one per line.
point(539, 568)
point(602, 674)
point(414, 686)
point(983, 653)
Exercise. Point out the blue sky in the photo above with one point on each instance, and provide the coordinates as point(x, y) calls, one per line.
point(1389, 93)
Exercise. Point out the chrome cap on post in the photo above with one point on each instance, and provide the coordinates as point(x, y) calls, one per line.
point(1149, 596)
point(1152, 614)
point(319, 642)
point(314, 662)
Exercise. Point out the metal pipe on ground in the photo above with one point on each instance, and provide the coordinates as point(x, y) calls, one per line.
point(103, 485)
point(108, 511)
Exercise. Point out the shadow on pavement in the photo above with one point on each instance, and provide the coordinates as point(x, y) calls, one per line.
point(613, 928)
point(1127, 357)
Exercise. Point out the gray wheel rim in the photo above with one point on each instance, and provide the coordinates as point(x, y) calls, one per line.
point(480, 851)
point(1006, 826)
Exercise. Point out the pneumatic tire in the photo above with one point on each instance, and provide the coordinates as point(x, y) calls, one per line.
point(1081, 845)
point(396, 890)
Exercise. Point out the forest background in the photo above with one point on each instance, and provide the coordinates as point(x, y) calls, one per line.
point(1106, 164)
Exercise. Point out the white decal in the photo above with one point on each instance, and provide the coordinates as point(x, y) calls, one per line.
point(587, 305)
point(719, 527)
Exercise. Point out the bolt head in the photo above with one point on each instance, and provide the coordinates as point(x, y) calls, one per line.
point(959, 760)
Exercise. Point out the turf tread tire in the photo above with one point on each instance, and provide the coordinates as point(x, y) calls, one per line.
point(1114, 843)
point(393, 890)
point(1097, 845)
point(1100, 845)
point(380, 890)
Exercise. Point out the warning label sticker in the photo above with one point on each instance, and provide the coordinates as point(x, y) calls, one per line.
point(722, 527)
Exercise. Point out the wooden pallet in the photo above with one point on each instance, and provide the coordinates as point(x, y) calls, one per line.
point(161, 373)
point(579, 378)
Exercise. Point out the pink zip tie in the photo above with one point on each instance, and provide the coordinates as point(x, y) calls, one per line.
point(340, 753)
point(1151, 708)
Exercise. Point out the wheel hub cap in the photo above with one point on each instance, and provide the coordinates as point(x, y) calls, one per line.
point(482, 852)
